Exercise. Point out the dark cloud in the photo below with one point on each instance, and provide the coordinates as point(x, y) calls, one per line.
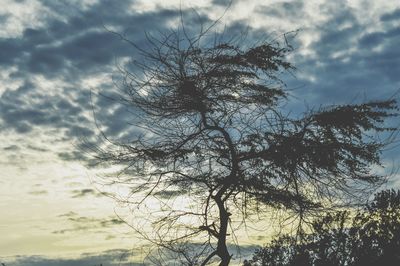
point(284, 10)
point(224, 3)
point(395, 15)
point(167, 194)
point(75, 57)
point(28, 106)
point(73, 156)
point(74, 43)
point(371, 40)
point(85, 192)
point(337, 34)
point(36, 148)
point(68, 214)
point(38, 192)
point(10, 50)
point(115, 257)
point(80, 43)
point(12, 148)
point(374, 39)
point(36, 36)
point(346, 68)
point(4, 18)
point(111, 222)
point(87, 224)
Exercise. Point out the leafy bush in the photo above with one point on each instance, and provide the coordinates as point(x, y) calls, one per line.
point(370, 237)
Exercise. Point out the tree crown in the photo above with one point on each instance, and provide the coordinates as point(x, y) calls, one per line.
point(213, 125)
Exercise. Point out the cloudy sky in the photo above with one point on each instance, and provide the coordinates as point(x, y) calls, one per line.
point(54, 53)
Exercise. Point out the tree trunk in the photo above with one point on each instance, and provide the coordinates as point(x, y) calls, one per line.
point(222, 249)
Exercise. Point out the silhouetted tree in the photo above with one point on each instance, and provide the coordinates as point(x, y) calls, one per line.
point(328, 245)
point(369, 237)
point(212, 126)
point(376, 231)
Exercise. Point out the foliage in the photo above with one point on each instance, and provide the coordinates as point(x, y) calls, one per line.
point(211, 125)
point(370, 237)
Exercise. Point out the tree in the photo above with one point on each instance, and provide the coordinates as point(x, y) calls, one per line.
point(211, 125)
point(329, 244)
point(376, 231)
point(369, 237)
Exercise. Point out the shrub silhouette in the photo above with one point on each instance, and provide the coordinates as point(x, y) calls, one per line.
point(369, 237)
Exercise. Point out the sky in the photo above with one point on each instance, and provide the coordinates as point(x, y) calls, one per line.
point(56, 56)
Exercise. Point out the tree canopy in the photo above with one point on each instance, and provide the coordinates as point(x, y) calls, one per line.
point(211, 125)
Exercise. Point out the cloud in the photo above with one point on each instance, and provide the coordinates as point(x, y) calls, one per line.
point(395, 15)
point(87, 224)
point(28, 106)
point(111, 222)
point(12, 148)
point(68, 47)
point(38, 192)
point(10, 50)
point(73, 156)
point(68, 214)
point(73, 44)
point(115, 257)
point(81, 193)
point(283, 10)
point(168, 194)
point(77, 43)
point(4, 18)
point(349, 64)
point(224, 3)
